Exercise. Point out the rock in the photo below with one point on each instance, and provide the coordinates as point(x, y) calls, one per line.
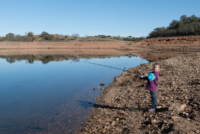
point(113, 123)
point(118, 129)
point(99, 88)
point(170, 108)
point(175, 118)
point(158, 107)
point(153, 122)
point(102, 84)
point(177, 107)
point(181, 108)
point(105, 127)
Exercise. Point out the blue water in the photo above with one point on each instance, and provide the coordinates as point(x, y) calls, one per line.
point(53, 97)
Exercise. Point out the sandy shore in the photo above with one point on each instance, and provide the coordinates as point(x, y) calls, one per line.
point(62, 45)
point(122, 106)
point(40, 50)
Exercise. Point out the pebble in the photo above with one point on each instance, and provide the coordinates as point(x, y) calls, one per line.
point(158, 107)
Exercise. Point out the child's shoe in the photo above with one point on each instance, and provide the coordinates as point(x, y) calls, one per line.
point(151, 110)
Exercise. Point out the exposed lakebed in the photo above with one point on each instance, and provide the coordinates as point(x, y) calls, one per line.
point(54, 97)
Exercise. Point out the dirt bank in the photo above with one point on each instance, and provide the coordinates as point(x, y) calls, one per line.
point(62, 45)
point(152, 47)
point(122, 106)
point(172, 40)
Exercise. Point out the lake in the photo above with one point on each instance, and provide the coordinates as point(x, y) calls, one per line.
point(55, 97)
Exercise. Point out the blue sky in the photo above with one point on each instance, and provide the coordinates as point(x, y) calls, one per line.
point(92, 17)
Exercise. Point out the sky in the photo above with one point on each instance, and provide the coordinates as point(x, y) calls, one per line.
point(92, 17)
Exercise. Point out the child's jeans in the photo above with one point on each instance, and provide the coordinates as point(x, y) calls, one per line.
point(154, 100)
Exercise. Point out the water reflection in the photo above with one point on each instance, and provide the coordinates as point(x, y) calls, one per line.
point(50, 98)
point(48, 58)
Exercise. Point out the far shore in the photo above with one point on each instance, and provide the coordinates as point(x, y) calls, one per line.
point(56, 50)
point(62, 45)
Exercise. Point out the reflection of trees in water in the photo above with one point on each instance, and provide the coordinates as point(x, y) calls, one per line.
point(130, 55)
point(48, 58)
point(10, 60)
point(30, 61)
point(76, 60)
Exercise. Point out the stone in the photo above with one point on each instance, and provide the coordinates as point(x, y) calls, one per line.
point(181, 108)
point(158, 107)
point(170, 108)
point(113, 123)
point(153, 121)
point(175, 118)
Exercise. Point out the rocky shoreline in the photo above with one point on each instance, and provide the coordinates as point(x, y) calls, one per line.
point(122, 106)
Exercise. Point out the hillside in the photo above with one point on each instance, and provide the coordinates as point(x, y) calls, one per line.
point(171, 40)
point(184, 27)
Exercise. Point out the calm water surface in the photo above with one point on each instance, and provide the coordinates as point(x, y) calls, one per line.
point(53, 97)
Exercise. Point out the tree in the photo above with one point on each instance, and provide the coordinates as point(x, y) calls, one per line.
point(193, 18)
point(184, 19)
point(186, 26)
point(10, 35)
point(44, 33)
point(30, 34)
point(75, 35)
point(173, 24)
point(179, 25)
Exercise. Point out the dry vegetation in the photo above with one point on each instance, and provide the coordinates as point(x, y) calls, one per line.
point(46, 37)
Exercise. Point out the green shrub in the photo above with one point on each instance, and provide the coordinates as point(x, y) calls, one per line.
point(44, 33)
point(10, 35)
point(48, 37)
point(75, 36)
point(30, 34)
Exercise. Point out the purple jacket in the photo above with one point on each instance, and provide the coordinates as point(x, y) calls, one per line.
point(152, 86)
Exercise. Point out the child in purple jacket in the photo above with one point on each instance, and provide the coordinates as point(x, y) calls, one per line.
point(152, 86)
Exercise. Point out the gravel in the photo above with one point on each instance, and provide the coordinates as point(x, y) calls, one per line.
point(122, 107)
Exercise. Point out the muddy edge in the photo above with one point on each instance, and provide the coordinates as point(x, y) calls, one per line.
point(122, 106)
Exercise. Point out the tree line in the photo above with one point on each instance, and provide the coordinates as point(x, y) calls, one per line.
point(45, 36)
point(129, 38)
point(29, 37)
point(184, 27)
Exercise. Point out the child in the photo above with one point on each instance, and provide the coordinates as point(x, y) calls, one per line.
point(152, 86)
